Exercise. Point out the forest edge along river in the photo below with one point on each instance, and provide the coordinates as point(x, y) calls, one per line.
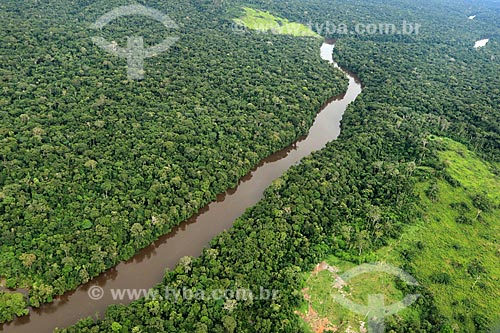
point(147, 267)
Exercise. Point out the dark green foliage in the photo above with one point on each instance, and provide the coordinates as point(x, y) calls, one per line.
point(94, 167)
point(482, 202)
point(441, 277)
point(475, 268)
point(481, 323)
point(460, 206)
point(348, 199)
point(462, 219)
point(452, 181)
point(432, 192)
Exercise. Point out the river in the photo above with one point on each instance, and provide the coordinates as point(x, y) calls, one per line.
point(146, 268)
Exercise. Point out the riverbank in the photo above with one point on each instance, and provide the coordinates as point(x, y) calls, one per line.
point(146, 269)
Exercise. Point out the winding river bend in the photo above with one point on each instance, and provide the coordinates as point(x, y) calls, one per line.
point(146, 268)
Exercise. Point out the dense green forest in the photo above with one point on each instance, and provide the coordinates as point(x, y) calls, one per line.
point(87, 180)
point(94, 167)
point(360, 192)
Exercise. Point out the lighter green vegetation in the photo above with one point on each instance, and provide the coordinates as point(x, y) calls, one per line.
point(453, 250)
point(457, 261)
point(258, 20)
point(474, 174)
point(12, 303)
point(323, 286)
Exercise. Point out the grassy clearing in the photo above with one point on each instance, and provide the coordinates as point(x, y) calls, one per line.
point(322, 286)
point(474, 174)
point(458, 262)
point(258, 20)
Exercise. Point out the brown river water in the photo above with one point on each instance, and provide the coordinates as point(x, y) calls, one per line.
point(146, 268)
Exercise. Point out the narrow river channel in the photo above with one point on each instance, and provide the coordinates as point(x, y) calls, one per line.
point(146, 268)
